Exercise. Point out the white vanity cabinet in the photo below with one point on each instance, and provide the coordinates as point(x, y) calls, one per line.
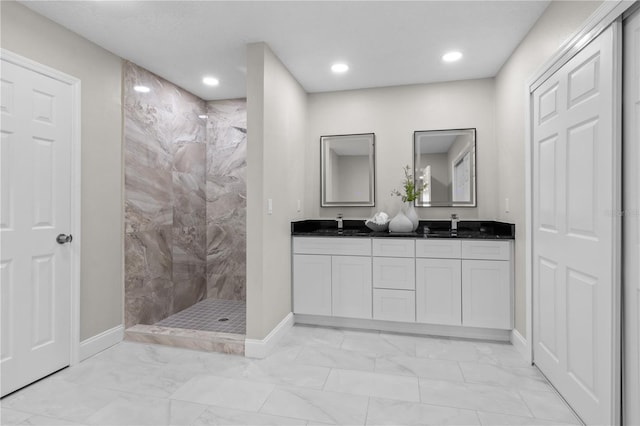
point(312, 278)
point(438, 282)
point(394, 279)
point(438, 291)
point(332, 277)
point(351, 286)
point(458, 287)
point(487, 294)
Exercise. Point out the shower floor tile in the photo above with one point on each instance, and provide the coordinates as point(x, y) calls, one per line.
point(225, 316)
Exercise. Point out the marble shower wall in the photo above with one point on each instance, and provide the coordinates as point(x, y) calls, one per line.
point(165, 207)
point(226, 199)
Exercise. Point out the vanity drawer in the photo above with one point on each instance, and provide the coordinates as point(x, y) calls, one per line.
point(391, 247)
point(486, 250)
point(394, 272)
point(394, 305)
point(333, 246)
point(439, 249)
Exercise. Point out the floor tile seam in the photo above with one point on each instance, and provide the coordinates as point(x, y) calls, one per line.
point(432, 405)
point(62, 419)
point(366, 413)
point(144, 393)
point(326, 379)
point(527, 418)
point(30, 413)
point(78, 420)
point(368, 395)
point(306, 420)
point(266, 399)
point(492, 385)
point(287, 388)
point(247, 381)
point(124, 363)
point(559, 397)
point(399, 349)
point(273, 415)
point(525, 403)
point(478, 417)
point(457, 407)
point(515, 387)
point(224, 407)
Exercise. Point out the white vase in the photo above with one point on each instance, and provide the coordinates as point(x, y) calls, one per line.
point(410, 211)
point(400, 223)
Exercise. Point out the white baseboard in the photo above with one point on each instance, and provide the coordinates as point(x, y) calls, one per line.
point(256, 348)
point(520, 343)
point(100, 342)
point(406, 327)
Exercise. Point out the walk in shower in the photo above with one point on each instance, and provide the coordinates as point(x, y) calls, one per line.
point(185, 216)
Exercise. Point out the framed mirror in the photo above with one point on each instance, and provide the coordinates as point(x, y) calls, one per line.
point(347, 167)
point(444, 161)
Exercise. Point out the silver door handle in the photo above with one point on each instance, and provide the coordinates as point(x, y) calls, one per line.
point(62, 238)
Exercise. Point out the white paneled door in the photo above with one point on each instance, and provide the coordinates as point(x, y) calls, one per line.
point(35, 269)
point(631, 147)
point(575, 236)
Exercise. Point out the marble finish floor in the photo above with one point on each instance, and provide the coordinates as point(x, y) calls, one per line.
point(224, 316)
point(314, 376)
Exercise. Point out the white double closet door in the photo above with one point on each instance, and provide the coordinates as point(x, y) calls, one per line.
point(575, 230)
point(631, 224)
point(35, 270)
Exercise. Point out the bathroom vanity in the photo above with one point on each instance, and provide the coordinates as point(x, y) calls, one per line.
point(433, 281)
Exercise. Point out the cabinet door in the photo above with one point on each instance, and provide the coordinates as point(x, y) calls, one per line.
point(394, 272)
point(394, 305)
point(351, 286)
point(486, 294)
point(311, 284)
point(438, 291)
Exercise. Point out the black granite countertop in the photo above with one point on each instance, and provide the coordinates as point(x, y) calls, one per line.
point(467, 229)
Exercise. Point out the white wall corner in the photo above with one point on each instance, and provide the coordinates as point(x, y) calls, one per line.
point(520, 343)
point(100, 342)
point(256, 348)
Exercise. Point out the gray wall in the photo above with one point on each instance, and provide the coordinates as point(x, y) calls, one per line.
point(165, 210)
point(558, 22)
point(393, 114)
point(30, 35)
point(276, 118)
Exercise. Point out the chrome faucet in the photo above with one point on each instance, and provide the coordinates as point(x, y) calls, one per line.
point(454, 222)
point(339, 220)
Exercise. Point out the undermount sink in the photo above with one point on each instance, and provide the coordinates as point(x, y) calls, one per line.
point(353, 232)
point(336, 231)
point(325, 231)
point(439, 232)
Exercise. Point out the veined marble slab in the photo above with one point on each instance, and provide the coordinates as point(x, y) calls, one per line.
point(165, 198)
point(190, 339)
point(185, 198)
point(226, 199)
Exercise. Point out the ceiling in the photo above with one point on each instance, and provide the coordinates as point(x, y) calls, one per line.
point(385, 43)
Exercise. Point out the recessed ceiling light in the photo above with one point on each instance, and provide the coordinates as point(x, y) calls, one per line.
point(210, 81)
point(141, 89)
point(339, 68)
point(452, 56)
point(203, 116)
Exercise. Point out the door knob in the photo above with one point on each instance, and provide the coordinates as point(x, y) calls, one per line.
point(62, 238)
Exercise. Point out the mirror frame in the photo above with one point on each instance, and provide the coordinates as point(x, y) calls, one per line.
point(474, 186)
point(371, 202)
